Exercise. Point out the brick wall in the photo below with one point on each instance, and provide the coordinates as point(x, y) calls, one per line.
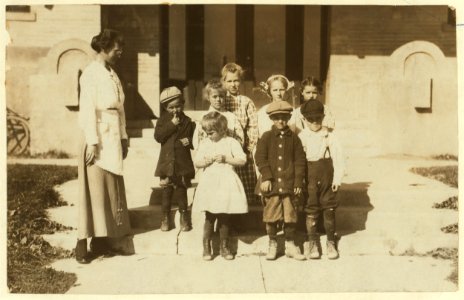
point(367, 89)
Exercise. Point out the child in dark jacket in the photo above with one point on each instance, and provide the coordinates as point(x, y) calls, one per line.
point(174, 131)
point(281, 161)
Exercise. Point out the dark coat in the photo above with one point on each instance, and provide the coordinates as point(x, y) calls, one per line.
point(280, 158)
point(175, 159)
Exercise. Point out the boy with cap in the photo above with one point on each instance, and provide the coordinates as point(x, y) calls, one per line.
point(174, 131)
point(325, 171)
point(281, 161)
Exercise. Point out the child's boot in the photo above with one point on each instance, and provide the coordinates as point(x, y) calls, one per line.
point(185, 221)
point(312, 247)
point(293, 251)
point(225, 251)
point(207, 255)
point(311, 250)
point(329, 225)
point(165, 221)
point(332, 252)
point(272, 252)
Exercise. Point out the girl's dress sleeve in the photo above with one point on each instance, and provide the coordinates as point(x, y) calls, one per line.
point(238, 132)
point(87, 108)
point(252, 130)
point(200, 155)
point(237, 150)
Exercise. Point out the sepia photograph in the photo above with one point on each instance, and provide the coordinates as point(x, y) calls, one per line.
point(231, 148)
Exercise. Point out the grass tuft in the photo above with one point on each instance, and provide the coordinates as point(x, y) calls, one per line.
point(30, 191)
point(445, 174)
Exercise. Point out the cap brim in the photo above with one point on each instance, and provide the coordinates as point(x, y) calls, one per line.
point(170, 98)
point(289, 112)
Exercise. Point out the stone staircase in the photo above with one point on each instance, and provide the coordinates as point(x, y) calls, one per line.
point(144, 198)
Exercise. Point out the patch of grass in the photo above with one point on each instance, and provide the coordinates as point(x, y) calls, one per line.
point(445, 174)
point(48, 154)
point(445, 157)
point(450, 203)
point(452, 228)
point(30, 192)
point(440, 253)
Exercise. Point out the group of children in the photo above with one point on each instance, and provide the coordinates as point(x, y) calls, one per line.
point(281, 153)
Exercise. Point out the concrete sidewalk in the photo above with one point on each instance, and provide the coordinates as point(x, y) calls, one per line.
point(385, 210)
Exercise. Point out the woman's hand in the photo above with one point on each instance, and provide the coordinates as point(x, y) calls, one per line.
point(266, 186)
point(125, 148)
point(90, 154)
point(297, 191)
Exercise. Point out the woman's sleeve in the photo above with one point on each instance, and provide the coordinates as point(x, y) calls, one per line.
point(87, 108)
point(122, 123)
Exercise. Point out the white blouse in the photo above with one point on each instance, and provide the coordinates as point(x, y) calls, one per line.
point(101, 114)
point(316, 145)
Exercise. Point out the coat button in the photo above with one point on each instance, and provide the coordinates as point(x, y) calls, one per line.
point(279, 169)
point(280, 190)
point(280, 145)
point(279, 179)
point(280, 157)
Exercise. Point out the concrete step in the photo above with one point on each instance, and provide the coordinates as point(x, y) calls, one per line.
point(348, 218)
point(144, 143)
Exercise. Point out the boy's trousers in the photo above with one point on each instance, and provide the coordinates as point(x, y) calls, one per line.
point(321, 198)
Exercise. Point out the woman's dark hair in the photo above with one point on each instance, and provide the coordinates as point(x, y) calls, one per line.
point(106, 40)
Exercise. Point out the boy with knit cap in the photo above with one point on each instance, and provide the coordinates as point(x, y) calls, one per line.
point(325, 171)
point(174, 131)
point(281, 161)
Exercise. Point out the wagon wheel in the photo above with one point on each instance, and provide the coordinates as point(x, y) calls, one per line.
point(18, 138)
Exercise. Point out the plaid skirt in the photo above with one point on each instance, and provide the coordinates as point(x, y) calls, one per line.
point(247, 174)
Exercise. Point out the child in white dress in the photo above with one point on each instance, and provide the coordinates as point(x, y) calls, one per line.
point(220, 191)
point(215, 94)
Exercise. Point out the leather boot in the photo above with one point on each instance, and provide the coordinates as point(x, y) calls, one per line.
point(272, 252)
point(207, 255)
point(165, 222)
point(293, 251)
point(311, 250)
point(332, 252)
point(225, 251)
point(82, 256)
point(185, 221)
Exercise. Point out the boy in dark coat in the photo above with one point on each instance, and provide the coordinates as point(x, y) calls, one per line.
point(174, 131)
point(281, 161)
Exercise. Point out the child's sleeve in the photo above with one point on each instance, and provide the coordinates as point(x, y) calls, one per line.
point(238, 132)
point(262, 158)
point(300, 163)
point(337, 159)
point(200, 156)
point(329, 120)
point(192, 127)
point(164, 129)
point(239, 157)
point(252, 130)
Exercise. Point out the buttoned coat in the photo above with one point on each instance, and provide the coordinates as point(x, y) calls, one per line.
point(281, 159)
point(175, 159)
